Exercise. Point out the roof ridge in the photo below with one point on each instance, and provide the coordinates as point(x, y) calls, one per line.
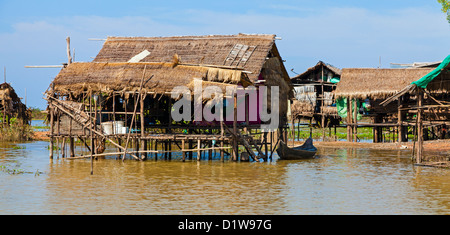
point(190, 37)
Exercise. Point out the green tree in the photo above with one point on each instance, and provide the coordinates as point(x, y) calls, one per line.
point(445, 8)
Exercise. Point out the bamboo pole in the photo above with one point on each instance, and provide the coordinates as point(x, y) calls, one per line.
point(51, 131)
point(322, 108)
point(419, 155)
point(134, 113)
point(91, 134)
point(198, 149)
point(143, 142)
point(221, 140)
point(400, 122)
point(69, 57)
point(349, 120)
point(235, 145)
point(182, 149)
point(355, 121)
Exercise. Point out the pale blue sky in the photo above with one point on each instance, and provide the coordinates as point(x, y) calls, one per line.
point(345, 33)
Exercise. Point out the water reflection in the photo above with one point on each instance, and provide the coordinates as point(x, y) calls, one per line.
point(339, 181)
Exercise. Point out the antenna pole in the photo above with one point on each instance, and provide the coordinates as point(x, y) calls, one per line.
point(69, 57)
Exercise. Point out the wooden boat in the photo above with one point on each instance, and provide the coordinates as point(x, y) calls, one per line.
point(305, 151)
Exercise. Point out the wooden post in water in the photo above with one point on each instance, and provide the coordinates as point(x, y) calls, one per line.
point(190, 145)
point(400, 120)
point(349, 120)
point(355, 120)
point(221, 140)
point(235, 145)
point(51, 132)
point(91, 133)
point(143, 142)
point(322, 108)
point(199, 143)
point(182, 150)
point(71, 141)
point(419, 155)
point(156, 149)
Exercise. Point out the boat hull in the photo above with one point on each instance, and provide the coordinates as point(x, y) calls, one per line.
point(286, 153)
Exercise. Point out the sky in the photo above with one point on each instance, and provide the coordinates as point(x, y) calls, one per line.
point(344, 33)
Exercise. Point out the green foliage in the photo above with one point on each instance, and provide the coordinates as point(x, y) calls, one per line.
point(445, 8)
point(15, 130)
point(17, 171)
point(37, 114)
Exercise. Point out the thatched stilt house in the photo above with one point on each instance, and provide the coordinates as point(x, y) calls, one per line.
point(131, 84)
point(314, 99)
point(427, 98)
point(360, 92)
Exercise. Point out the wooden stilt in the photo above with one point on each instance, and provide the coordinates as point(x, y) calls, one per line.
point(156, 149)
point(91, 135)
point(52, 118)
point(63, 148)
point(191, 144)
point(71, 140)
point(72, 147)
point(182, 150)
point(349, 120)
point(136, 143)
point(265, 144)
point(401, 128)
point(355, 120)
point(419, 155)
point(221, 140)
point(235, 144)
point(144, 155)
point(198, 149)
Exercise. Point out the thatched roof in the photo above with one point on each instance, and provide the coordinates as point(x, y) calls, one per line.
point(105, 77)
point(175, 61)
point(12, 103)
point(376, 83)
point(244, 51)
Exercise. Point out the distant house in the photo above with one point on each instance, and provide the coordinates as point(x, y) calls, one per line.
point(375, 85)
point(368, 87)
point(425, 99)
point(313, 91)
point(11, 106)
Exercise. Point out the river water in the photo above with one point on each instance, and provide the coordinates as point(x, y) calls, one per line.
point(338, 181)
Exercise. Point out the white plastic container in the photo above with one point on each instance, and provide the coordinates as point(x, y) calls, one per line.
point(124, 130)
point(118, 127)
point(107, 127)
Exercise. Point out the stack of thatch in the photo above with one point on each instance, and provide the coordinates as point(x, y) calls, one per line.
point(105, 77)
point(300, 107)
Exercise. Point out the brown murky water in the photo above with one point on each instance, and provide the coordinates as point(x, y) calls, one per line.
point(339, 181)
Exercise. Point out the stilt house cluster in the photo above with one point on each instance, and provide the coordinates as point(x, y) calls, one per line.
point(127, 96)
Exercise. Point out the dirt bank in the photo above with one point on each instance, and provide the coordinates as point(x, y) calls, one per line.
point(432, 145)
point(40, 135)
